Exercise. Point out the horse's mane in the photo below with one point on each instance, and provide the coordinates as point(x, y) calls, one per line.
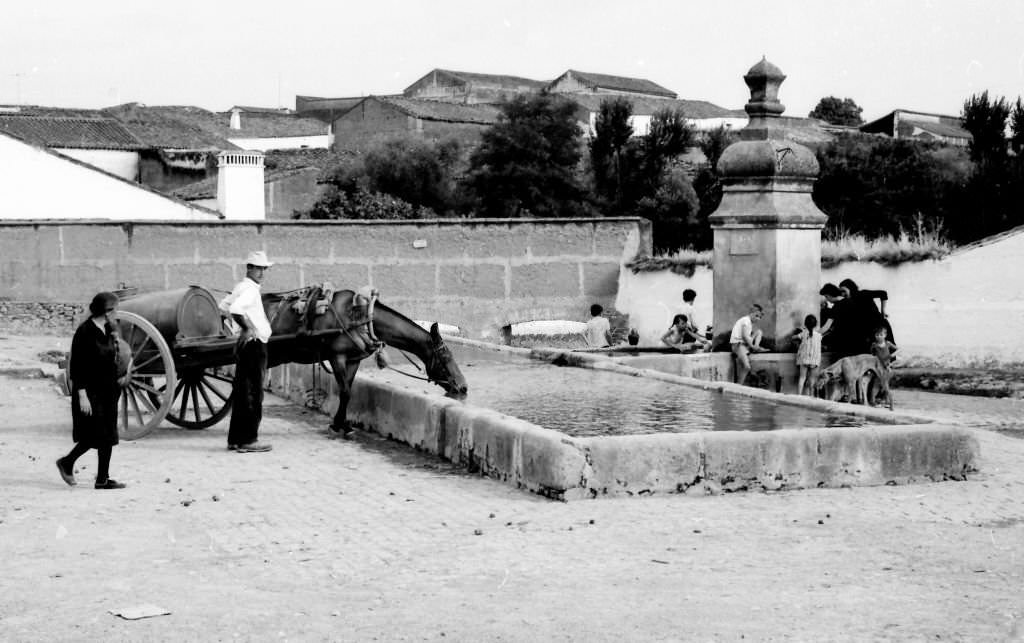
point(378, 305)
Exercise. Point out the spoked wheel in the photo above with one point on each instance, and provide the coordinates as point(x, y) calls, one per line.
point(147, 398)
point(202, 397)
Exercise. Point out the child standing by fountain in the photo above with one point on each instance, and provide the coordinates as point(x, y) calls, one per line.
point(883, 350)
point(808, 355)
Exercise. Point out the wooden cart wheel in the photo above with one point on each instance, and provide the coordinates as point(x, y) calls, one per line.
point(147, 398)
point(202, 397)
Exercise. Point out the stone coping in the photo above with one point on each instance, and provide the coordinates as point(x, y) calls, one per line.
point(563, 467)
point(316, 223)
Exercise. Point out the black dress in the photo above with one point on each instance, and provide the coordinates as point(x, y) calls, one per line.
point(94, 368)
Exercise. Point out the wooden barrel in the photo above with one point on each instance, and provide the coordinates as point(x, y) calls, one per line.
point(178, 314)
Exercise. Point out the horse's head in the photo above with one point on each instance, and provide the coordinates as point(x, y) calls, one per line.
point(442, 369)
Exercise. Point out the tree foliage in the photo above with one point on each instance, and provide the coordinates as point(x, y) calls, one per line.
point(986, 121)
point(612, 132)
point(526, 163)
point(838, 111)
point(876, 185)
point(1017, 127)
point(400, 178)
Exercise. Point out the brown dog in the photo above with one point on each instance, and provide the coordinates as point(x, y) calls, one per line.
point(848, 378)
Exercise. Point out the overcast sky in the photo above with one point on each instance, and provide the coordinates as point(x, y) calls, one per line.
point(916, 54)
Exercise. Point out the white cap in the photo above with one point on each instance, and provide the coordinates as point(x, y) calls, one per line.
point(258, 258)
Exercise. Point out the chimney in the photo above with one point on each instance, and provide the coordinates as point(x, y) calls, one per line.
point(240, 185)
point(236, 119)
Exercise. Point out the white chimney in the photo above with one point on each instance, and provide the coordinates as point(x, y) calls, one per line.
point(236, 119)
point(240, 185)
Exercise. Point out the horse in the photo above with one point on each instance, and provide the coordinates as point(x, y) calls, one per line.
point(343, 328)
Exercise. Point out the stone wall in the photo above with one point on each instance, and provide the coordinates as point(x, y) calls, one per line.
point(477, 274)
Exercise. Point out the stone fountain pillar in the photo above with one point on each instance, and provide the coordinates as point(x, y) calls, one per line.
point(767, 230)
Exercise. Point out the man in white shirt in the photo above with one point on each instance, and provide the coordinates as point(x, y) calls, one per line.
point(245, 306)
point(745, 340)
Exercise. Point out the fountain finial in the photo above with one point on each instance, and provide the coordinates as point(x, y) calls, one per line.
point(764, 80)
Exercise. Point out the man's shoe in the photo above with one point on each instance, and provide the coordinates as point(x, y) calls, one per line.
point(69, 478)
point(110, 484)
point(253, 447)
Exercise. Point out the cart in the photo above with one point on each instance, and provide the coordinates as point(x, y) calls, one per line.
point(182, 364)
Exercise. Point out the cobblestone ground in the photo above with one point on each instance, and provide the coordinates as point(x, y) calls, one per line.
point(369, 540)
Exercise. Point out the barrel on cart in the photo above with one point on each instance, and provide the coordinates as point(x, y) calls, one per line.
point(182, 361)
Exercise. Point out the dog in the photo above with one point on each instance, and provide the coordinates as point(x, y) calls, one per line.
point(847, 379)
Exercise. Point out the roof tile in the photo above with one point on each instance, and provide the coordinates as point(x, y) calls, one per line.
point(71, 132)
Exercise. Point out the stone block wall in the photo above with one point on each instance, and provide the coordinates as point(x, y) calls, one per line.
point(477, 274)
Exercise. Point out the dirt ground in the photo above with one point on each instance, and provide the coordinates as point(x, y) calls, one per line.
point(367, 540)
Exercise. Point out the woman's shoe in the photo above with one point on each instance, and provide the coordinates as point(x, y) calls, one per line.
point(110, 484)
point(69, 478)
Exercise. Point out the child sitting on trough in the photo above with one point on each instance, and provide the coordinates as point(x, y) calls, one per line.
point(683, 337)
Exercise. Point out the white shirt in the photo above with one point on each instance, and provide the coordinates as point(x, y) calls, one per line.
point(741, 330)
point(687, 309)
point(245, 300)
point(596, 332)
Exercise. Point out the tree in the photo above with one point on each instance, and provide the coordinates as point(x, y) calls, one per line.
point(526, 163)
point(1017, 127)
point(876, 186)
point(612, 132)
point(986, 121)
point(416, 171)
point(714, 142)
point(838, 111)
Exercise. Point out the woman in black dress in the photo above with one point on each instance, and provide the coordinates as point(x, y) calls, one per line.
point(95, 388)
point(864, 315)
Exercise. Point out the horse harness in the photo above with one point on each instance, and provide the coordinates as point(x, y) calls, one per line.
point(313, 301)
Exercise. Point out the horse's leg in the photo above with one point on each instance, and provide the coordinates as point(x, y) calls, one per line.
point(344, 374)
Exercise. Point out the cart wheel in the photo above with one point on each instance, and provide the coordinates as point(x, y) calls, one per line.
point(202, 397)
point(147, 398)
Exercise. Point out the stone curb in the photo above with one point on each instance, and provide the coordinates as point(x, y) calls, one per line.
point(563, 467)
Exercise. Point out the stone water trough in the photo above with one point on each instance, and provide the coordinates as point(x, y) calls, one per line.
point(896, 449)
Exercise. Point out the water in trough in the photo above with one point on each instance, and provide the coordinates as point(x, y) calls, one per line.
point(585, 402)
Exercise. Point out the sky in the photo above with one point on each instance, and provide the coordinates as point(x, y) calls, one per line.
point(911, 54)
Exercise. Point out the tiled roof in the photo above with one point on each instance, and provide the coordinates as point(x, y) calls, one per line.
point(170, 128)
point(267, 125)
point(620, 83)
point(279, 164)
point(188, 127)
point(433, 110)
point(42, 110)
point(260, 110)
point(324, 109)
point(696, 109)
point(207, 188)
point(510, 82)
point(938, 129)
point(71, 132)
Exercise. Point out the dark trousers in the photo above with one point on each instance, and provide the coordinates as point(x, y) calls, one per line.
point(247, 393)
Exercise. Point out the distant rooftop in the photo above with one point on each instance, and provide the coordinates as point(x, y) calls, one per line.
point(70, 132)
point(433, 110)
point(697, 109)
point(598, 82)
point(170, 128)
